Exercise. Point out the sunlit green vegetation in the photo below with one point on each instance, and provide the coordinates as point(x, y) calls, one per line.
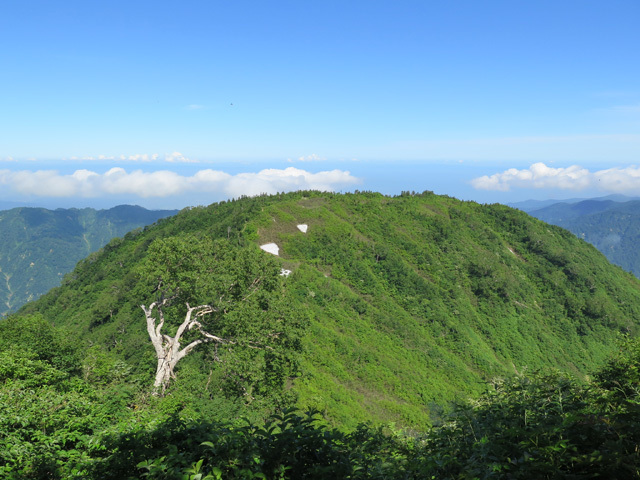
point(60, 423)
point(427, 337)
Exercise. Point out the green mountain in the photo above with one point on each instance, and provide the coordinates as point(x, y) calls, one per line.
point(40, 246)
point(612, 227)
point(412, 302)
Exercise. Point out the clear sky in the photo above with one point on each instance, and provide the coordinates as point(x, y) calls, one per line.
point(170, 104)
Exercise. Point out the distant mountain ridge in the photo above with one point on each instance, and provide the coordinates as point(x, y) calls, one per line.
point(613, 227)
point(39, 246)
point(533, 205)
point(6, 205)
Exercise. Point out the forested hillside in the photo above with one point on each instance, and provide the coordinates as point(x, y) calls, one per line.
point(414, 300)
point(612, 227)
point(396, 311)
point(39, 246)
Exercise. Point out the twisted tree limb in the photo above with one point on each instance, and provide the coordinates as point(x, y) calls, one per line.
point(168, 351)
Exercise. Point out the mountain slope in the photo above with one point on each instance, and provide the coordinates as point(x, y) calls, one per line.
point(612, 227)
point(415, 300)
point(39, 246)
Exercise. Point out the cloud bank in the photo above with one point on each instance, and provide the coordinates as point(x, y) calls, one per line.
point(174, 157)
point(309, 158)
point(575, 178)
point(164, 183)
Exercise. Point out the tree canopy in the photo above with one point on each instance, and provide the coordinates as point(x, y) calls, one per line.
point(213, 292)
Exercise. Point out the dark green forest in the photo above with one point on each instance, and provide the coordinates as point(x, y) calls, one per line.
point(417, 336)
point(39, 246)
point(612, 227)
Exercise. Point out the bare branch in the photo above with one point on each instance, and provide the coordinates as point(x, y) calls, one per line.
point(254, 286)
point(155, 340)
point(161, 324)
point(211, 337)
point(182, 353)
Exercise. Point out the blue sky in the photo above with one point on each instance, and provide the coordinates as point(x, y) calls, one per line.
point(170, 104)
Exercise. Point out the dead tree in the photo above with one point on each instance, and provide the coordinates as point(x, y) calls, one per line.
point(167, 348)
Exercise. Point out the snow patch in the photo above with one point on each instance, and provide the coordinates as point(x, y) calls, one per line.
point(303, 228)
point(270, 248)
point(285, 273)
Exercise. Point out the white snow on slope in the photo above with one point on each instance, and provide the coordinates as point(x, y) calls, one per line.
point(270, 248)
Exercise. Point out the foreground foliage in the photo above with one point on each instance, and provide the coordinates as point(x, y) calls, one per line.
point(545, 425)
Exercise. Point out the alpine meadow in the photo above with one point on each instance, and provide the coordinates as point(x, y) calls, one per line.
point(413, 336)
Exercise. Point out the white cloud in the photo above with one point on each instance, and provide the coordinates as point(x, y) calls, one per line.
point(276, 180)
point(194, 106)
point(210, 177)
point(161, 183)
point(139, 157)
point(619, 179)
point(164, 183)
point(45, 183)
point(575, 178)
point(177, 157)
point(311, 158)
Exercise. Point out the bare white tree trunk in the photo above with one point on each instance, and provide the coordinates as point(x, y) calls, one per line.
point(167, 348)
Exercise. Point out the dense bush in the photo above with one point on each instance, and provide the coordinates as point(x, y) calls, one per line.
point(540, 426)
point(60, 424)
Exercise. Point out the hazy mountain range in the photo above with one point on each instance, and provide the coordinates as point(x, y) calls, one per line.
point(533, 205)
point(611, 224)
point(39, 246)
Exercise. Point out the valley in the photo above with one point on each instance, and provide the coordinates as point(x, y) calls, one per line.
point(40, 246)
point(612, 226)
